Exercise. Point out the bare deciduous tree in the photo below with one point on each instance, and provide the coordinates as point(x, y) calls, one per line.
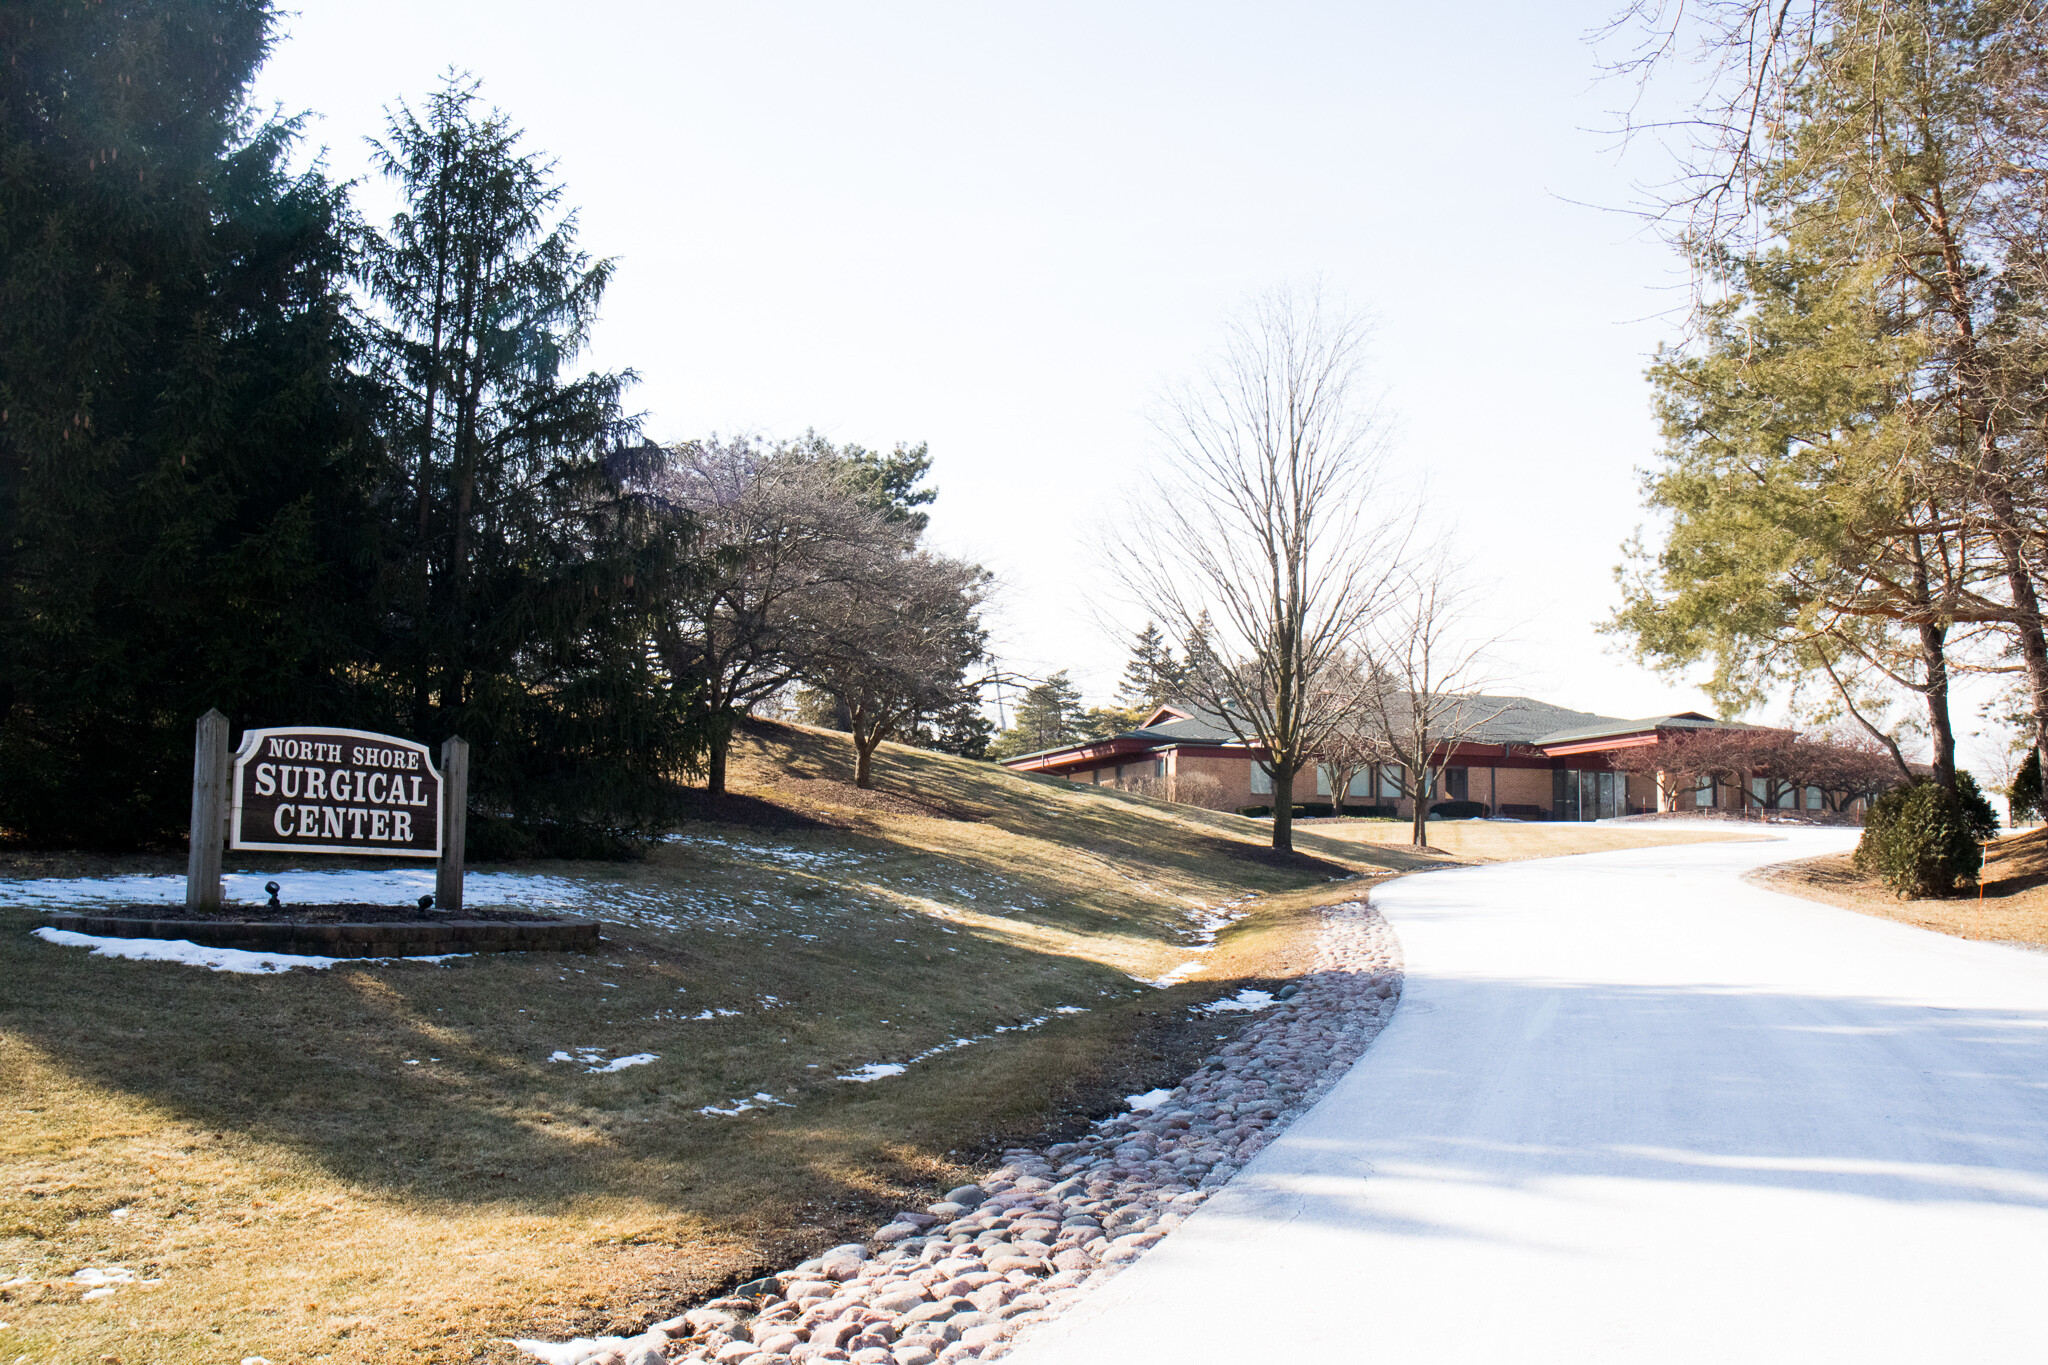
point(776, 528)
point(1429, 669)
point(1269, 520)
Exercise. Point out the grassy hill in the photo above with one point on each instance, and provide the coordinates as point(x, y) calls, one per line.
point(401, 1161)
point(382, 1161)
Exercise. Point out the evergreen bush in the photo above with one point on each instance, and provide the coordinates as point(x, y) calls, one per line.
point(1978, 816)
point(1461, 810)
point(2023, 802)
point(1919, 840)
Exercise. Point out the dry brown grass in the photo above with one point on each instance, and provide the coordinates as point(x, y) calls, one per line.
point(303, 1191)
point(2013, 908)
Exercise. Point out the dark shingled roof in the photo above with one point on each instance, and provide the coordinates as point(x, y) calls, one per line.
point(1683, 720)
point(1493, 719)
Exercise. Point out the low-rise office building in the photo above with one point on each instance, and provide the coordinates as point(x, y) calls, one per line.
point(1521, 757)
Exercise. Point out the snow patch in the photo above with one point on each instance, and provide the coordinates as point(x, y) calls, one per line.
point(591, 1059)
point(621, 1063)
point(214, 959)
point(875, 1071)
point(1242, 1003)
point(761, 1100)
point(1150, 1100)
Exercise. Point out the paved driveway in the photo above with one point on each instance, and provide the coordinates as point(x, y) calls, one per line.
point(1633, 1109)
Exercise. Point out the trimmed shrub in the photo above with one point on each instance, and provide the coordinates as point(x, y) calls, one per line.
point(1461, 810)
point(1256, 812)
point(1919, 840)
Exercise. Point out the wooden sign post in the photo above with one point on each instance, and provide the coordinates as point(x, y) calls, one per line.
point(454, 822)
point(209, 812)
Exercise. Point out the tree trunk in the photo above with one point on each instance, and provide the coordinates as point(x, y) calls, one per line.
point(863, 762)
point(1283, 811)
point(1940, 730)
point(1418, 830)
point(714, 764)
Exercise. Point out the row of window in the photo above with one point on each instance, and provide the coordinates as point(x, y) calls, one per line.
point(1789, 798)
point(1387, 776)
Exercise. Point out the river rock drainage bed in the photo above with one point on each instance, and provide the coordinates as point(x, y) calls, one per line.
point(962, 1279)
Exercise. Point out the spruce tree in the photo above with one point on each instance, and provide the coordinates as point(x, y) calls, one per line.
point(1152, 675)
point(527, 567)
point(183, 478)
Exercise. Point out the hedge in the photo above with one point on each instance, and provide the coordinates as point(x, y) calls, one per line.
point(1461, 810)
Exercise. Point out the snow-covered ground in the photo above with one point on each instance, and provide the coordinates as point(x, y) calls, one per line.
point(402, 886)
point(1633, 1109)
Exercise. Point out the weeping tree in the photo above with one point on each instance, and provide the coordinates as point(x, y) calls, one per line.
point(777, 532)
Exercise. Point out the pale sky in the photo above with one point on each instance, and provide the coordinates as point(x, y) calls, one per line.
point(1002, 229)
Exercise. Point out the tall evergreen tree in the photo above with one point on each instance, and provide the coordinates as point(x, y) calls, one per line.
point(526, 570)
point(1048, 715)
point(1855, 473)
point(183, 482)
point(1153, 675)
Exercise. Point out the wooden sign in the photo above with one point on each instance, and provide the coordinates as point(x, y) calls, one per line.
point(311, 789)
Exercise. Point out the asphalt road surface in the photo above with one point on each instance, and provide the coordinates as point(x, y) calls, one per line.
point(1632, 1108)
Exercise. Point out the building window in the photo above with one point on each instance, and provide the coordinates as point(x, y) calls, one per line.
point(1262, 781)
point(1703, 795)
point(1813, 799)
point(1390, 781)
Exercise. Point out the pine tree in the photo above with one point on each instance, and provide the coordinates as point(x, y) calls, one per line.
point(1152, 676)
point(1048, 715)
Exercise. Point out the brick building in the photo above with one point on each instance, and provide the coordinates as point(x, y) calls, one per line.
point(1527, 758)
